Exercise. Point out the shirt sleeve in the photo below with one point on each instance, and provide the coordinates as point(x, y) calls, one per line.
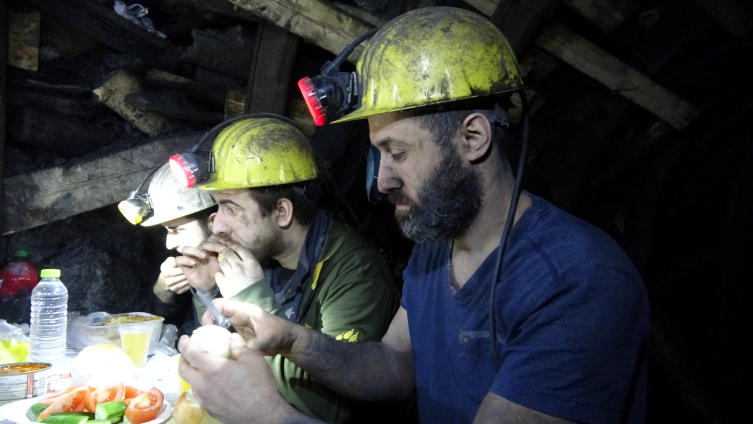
point(360, 300)
point(261, 294)
point(577, 353)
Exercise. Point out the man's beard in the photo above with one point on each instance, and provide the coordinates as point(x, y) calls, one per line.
point(265, 245)
point(448, 203)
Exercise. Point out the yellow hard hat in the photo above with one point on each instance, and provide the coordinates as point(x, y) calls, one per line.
point(258, 152)
point(431, 56)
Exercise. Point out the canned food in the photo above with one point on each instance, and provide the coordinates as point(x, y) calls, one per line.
point(23, 380)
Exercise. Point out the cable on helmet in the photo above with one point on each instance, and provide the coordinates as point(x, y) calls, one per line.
point(138, 206)
point(333, 94)
point(506, 232)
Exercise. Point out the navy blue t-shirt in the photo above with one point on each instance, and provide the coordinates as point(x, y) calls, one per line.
point(572, 316)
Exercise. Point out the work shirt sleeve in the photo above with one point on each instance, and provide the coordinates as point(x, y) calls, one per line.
point(261, 294)
point(574, 356)
point(355, 302)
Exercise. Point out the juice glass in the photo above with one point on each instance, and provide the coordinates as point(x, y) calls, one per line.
point(182, 384)
point(134, 340)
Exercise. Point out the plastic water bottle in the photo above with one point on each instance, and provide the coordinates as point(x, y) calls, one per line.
point(49, 307)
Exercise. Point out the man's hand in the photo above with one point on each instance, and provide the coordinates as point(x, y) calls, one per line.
point(175, 280)
point(241, 389)
point(260, 329)
point(199, 264)
point(240, 269)
point(170, 283)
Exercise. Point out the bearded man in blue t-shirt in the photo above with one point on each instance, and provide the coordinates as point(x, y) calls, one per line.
point(570, 310)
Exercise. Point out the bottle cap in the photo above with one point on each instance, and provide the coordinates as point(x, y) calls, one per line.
point(21, 253)
point(50, 273)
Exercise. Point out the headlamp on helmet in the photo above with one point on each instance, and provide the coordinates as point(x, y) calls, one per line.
point(138, 206)
point(333, 94)
point(190, 168)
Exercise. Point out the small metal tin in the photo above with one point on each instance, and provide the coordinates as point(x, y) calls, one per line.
point(23, 380)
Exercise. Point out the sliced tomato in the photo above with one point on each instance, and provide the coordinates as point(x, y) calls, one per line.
point(127, 401)
point(131, 392)
point(145, 407)
point(48, 399)
point(104, 394)
point(71, 401)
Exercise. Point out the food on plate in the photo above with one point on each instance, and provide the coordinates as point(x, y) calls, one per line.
point(103, 364)
point(34, 410)
point(110, 411)
point(70, 401)
point(132, 392)
point(145, 407)
point(104, 394)
point(126, 319)
point(188, 411)
point(98, 405)
point(13, 351)
point(214, 339)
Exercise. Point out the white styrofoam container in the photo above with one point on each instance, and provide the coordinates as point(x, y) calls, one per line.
point(83, 332)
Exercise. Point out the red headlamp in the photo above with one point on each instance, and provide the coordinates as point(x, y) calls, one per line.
point(189, 169)
point(333, 94)
point(312, 101)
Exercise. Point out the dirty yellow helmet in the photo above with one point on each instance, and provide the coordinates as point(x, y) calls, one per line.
point(260, 151)
point(431, 56)
point(425, 57)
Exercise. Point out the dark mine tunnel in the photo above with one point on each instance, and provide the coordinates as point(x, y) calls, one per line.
point(641, 124)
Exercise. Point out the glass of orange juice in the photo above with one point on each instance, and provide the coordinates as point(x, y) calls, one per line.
point(134, 340)
point(182, 384)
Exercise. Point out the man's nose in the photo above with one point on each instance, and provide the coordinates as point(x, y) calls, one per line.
point(387, 180)
point(219, 227)
point(172, 241)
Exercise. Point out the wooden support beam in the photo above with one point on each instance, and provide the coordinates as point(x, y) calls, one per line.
point(735, 16)
point(223, 7)
point(102, 23)
point(113, 92)
point(49, 195)
point(269, 82)
point(173, 104)
point(316, 21)
point(604, 14)
point(612, 72)
point(195, 90)
point(3, 98)
point(23, 39)
point(615, 74)
point(229, 53)
point(521, 20)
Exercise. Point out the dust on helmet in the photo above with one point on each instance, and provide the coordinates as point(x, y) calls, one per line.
point(258, 152)
point(432, 56)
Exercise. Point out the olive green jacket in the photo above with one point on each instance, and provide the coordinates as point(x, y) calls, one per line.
point(354, 301)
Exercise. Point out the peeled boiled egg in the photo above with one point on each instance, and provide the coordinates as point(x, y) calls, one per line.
point(214, 339)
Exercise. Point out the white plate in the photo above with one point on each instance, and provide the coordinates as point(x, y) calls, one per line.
point(16, 411)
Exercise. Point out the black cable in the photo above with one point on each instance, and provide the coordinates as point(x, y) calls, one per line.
point(138, 189)
point(506, 231)
point(340, 58)
point(224, 124)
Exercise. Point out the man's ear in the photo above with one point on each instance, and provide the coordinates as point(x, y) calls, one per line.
point(284, 212)
point(476, 132)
